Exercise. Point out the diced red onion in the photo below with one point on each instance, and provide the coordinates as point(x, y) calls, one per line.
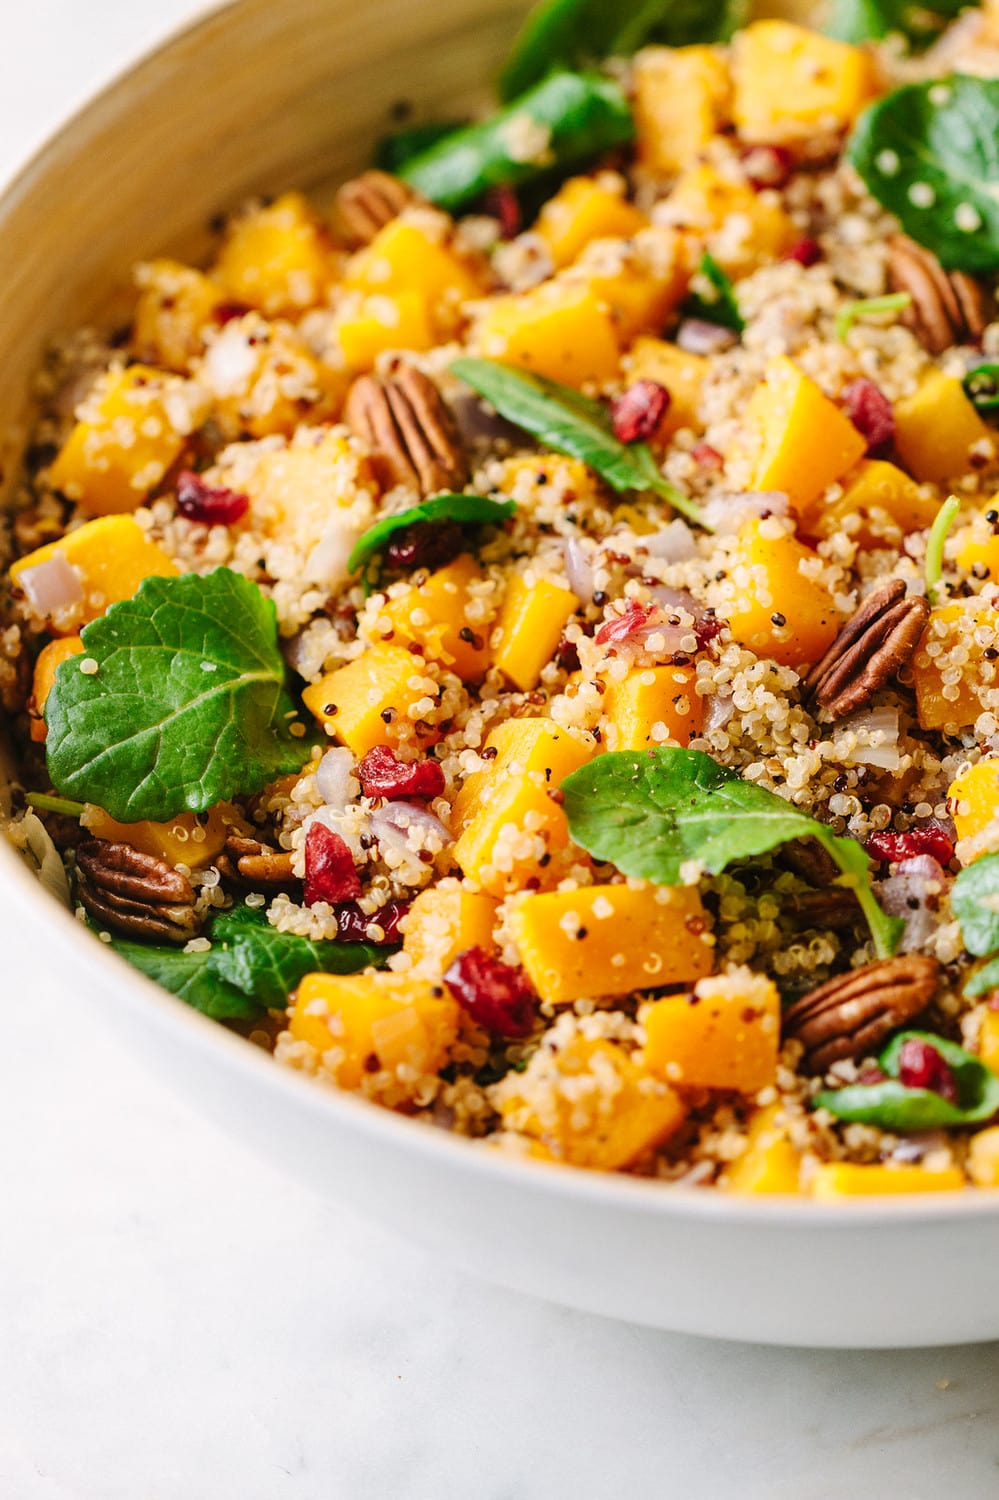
point(579, 568)
point(866, 723)
point(391, 824)
point(696, 336)
point(913, 894)
point(335, 779)
point(477, 421)
point(717, 712)
point(673, 544)
point(52, 586)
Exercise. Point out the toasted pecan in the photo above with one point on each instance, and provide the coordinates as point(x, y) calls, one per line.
point(947, 307)
point(256, 863)
point(834, 909)
point(365, 204)
point(869, 650)
point(851, 1015)
point(135, 894)
point(403, 419)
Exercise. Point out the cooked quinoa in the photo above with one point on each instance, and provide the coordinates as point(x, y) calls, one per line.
point(262, 413)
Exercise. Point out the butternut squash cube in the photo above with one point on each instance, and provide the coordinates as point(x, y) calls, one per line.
point(681, 99)
point(531, 620)
point(724, 1035)
point(569, 476)
point(681, 373)
point(792, 83)
point(362, 1024)
point(606, 940)
point(796, 439)
point(843, 1179)
point(600, 1109)
point(444, 921)
point(537, 750)
point(769, 1164)
point(772, 604)
point(973, 798)
point(988, 1040)
point(123, 443)
point(442, 617)
point(655, 706)
point(936, 428)
point(562, 329)
point(49, 659)
point(192, 839)
point(641, 281)
point(266, 380)
point(879, 505)
point(276, 258)
point(951, 644)
point(368, 326)
point(112, 557)
point(306, 491)
point(175, 305)
point(406, 256)
point(978, 553)
point(367, 702)
point(705, 202)
point(983, 1158)
point(585, 209)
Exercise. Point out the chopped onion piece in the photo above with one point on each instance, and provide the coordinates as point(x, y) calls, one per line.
point(335, 779)
point(869, 738)
point(52, 586)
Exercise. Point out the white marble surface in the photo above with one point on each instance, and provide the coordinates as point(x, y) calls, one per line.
point(179, 1322)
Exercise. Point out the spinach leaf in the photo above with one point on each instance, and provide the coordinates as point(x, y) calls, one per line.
point(574, 33)
point(650, 813)
point(393, 151)
point(187, 706)
point(974, 899)
point(255, 957)
point(984, 979)
point(565, 121)
point(868, 20)
point(570, 423)
point(722, 308)
point(193, 978)
point(929, 153)
point(893, 1106)
point(468, 510)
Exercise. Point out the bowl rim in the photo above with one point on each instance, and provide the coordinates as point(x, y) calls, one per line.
point(117, 977)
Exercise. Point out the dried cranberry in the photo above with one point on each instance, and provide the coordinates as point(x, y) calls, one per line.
point(502, 203)
point(706, 627)
point(352, 924)
point(496, 995)
point(637, 412)
point(930, 838)
point(622, 627)
point(228, 312)
point(872, 414)
point(806, 252)
point(329, 868)
point(383, 774)
point(197, 501)
point(767, 166)
point(567, 655)
point(709, 458)
point(921, 1066)
point(424, 544)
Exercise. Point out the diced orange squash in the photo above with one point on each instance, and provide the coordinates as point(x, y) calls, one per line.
point(796, 439)
point(112, 556)
point(175, 304)
point(772, 604)
point(368, 1023)
point(988, 1040)
point(641, 281)
point(792, 83)
point(978, 552)
point(936, 428)
point(769, 1164)
point(561, 329)
point(950, 644)
point(531, 620)
point(655, 706)
point(124, 443)
point(841, 1179)
point(570, 476)
point(725, 1035)
point(367, 702)
point(705, 201)
point(266, 381)
point(443, 617)
point(585, 209)
point(444, 921)
point(879, 505)
point(276, 257)
point(681, 99)
point(368, 326)
point(983, 1158)
point(49, 658)
point(538, 750)
point(192, 839)
point(681, 373)
point(298, 489)
point(606, 940)
point(973, 798)
point(601, 1110)
point(406, 257)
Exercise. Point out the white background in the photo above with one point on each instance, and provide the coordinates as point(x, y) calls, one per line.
point(179, 1322)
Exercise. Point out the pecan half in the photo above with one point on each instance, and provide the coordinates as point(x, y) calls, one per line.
point(834, 909)
point(366, 204)
point(851, 1015)
point(869, 650)
point(402, 418)
point(135, 894)
point(947, 307)
point(256, 863)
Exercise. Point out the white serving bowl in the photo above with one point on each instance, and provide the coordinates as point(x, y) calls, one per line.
point(256, 97)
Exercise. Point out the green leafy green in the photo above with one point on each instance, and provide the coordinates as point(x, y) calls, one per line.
point(467, 510)
point(929, 153)
point(981, 386)
point(651, 813)
point(721, 309)
point(564, 121)
point(187, 706)
point(933, 567)
point(575, 33)
point(983, 980)
point(867, 307)
point(44, 802)
point(570, 423)
point(193, 978)
point(974, 899)
point(894, 1106)
point(868, 20)
point(393, 151)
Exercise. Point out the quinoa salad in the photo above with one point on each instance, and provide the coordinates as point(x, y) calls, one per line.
point(516, 637)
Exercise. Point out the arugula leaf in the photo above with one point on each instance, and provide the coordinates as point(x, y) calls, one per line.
point(928, 153)
point(193, 978)
point(570, 423)
point(981, 386)
point(468, 510)
point(255, 957)
point(868, 20)
point(893, 1106)
point(650, 813)
point(974, 900)
point(573, 33)
point(722, 309)
point(187, 707)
